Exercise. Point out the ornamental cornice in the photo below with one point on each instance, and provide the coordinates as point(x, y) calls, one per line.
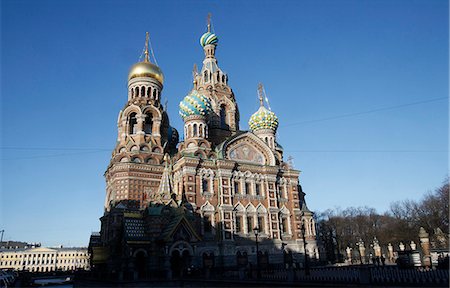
point(224, 173)
point(116, 167)
point(225, 207)
point(189, 170)
point(225, 164)
point(290, 173)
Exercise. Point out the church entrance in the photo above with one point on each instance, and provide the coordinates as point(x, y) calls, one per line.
point(180, 258)
point(140, 263)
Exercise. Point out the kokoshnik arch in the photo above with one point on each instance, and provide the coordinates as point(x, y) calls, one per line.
point(171, 205)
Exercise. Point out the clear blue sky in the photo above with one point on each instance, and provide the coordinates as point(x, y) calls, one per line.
point(64, 72)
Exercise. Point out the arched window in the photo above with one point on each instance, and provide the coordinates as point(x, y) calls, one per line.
point(249, 224)
point(154, 93)
point(223, 78)
point(207, 227)
point(247, 188)
point(261, 224)
point(205, 185)
point(195, 130)
point(205, 76)
point(132, 92)
point(149, 91)
point(218, 76)
point(148, 124)
point(142, 91)
point(223, 116)
point(257, 189)
point(136, 91)
point(236, 187)
point(284, 223)
point(239, 227)
point(132, 123)
point(200, 130)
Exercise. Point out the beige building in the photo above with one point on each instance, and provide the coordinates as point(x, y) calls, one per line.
point(43, 259)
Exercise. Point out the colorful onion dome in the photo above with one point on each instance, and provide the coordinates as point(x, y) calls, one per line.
point(208, 38)
point(146, 69)
point(263, 119)
point(195, 104)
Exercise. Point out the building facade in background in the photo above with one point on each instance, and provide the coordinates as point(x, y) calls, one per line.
point(43, 259)
point(197, 203)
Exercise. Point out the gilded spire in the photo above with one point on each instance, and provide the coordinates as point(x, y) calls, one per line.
point(260, 94)
point(147, 58)
point(208, 20)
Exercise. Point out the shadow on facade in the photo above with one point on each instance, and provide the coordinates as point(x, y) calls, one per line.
point(172, 242)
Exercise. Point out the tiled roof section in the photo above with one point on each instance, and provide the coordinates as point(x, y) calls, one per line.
point(134, 228)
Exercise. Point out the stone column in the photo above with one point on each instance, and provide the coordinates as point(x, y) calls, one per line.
point(425, 244)
point(140, 123)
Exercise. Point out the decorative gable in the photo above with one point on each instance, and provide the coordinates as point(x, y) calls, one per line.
point(248, 148)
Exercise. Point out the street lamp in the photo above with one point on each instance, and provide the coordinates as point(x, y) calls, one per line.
point(304, 248)
point(256, 231)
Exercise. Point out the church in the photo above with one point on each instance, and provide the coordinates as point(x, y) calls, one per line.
point(222, 198)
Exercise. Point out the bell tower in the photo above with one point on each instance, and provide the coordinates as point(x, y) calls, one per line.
point(144, 135)
point(213, 83)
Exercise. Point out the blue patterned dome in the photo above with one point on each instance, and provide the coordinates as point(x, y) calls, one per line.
point(195, 104)
point(208, 38)
point(263, 119)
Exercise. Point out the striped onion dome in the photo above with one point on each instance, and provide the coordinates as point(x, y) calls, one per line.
point(208, 38)
point(263, 119)
point(195, 104)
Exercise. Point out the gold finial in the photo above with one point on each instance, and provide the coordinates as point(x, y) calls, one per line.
point(147, 58)
point(208, 19)
point(260, 94)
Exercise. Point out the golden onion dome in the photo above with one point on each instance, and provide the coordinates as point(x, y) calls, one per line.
point(146, 69)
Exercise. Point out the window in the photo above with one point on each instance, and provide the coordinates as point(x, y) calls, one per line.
point(223, 117)
point(205, 184)
point(148, 123)
point(247, 187)
point(284, 223)
point(195, 130)
point(132, 124)
point(257, 189)
point(249, 224)
point(261, 224)
point(236, 187)
point(238, 223)
point(207, 223)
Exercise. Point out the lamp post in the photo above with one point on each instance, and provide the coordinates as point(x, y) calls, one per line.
point(256, 231)
point(304, 248)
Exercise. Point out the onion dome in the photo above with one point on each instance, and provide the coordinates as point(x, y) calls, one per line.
point(208, 38)
point(263, 119)
point(195, 104)
point(146, 69)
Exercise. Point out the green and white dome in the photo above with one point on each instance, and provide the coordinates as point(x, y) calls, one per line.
point(195, 104)
point(208, 38)
point(263, 119)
